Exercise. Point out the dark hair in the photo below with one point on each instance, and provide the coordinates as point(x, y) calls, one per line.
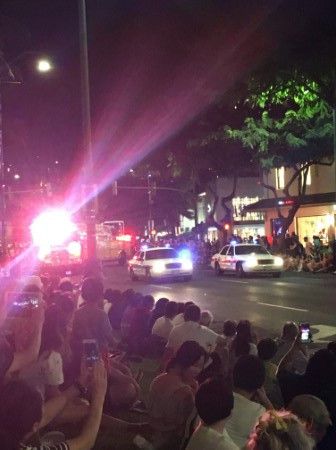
point(332, 347)
point(112, 295)
point(51, 337)
point(267, 348)
point(171, 310)
point(148, 302)
point(161, 304)
point(31, 289)
point(192, 313)
point(229, 328)
point(214, 401)
point(187, 355)
point(321, 370)
point(20, 409)
point(241, 343)
point(65, 304)
point(180, 307)
point(92, 290)
point(66, 286)
point(248, 373)
point(289, 329)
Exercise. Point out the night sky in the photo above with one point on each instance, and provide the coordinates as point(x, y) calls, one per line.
point(148, 59)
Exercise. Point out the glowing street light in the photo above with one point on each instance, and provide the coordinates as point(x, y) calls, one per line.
point(43, 65)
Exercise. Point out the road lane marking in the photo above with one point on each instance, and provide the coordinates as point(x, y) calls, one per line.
point(160, 286)
point(235, 281)
point(283, 307)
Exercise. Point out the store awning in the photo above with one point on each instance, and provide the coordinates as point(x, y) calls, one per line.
point(311, 199)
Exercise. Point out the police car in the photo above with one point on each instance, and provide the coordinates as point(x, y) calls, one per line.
point(245, 259)
point(160, 262)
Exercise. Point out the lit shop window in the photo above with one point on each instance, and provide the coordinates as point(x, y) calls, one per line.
point(308, 180)
point(239, 203)
point(280, 178)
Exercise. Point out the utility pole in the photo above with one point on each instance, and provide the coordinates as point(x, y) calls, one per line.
point(2, 187)
point(86, 129)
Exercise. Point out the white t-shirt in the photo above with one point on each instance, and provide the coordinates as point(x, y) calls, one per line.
point(244, 416)
point(192, 331)
point(207, 438)
point(162, 327)
point(46, 371)
point(178, 320)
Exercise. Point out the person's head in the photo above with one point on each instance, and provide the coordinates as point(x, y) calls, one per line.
point(206, 318)
point(171, 310)
point(160, 305)
point(192, 313)
point(229, 328)
point(290, 331)
point(279, 430)
point(214, 401)
point(248, 374)
point(20, 413)
point(189, 359)
point(332, 347)
point(112, 295)
point(241, 343)
point(148, 302)
point(92, 290)
point(267, 348)
point(313, 413)
point(321, 370)
point(65, 308)
point(66, 285)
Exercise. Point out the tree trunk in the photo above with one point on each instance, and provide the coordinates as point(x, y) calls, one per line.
point(286, 224)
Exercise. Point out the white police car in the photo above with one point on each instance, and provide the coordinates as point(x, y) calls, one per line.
point(246, 258)
point(160, 262)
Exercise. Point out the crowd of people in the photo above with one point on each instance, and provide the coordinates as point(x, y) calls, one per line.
point(66, 360)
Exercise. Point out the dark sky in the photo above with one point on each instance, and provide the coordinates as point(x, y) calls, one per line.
point(139, 52)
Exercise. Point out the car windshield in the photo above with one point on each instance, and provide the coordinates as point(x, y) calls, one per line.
point(248, 249)
point(164, 253)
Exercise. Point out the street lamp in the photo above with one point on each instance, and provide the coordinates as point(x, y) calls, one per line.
point(43, 66)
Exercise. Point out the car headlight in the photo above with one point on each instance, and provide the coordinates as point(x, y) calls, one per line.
point(158, 267)
point(251, 262)
point(187, 265)
point(278, 261)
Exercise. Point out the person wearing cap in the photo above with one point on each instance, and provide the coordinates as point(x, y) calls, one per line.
point(313, 413)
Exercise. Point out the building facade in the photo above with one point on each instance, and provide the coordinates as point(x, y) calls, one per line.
point(317, 213)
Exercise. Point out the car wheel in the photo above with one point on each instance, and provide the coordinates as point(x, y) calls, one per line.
point(276, 275)
point(148, 275)
point(218, 270)
point(122, 259)
point(240, 271)
point(132, 275)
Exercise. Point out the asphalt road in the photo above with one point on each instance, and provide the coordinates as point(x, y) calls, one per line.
point(265, 301)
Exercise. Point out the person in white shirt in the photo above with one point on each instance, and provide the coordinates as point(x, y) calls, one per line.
point(191, 330)
point(214, 403)
point(248, 379)
point(179, 318)
point(163, 325)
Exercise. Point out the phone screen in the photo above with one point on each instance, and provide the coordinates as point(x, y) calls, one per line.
point(21, 304)
point(91, 351)
point(305, 333)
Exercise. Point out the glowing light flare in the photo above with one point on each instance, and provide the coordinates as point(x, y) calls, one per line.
point(75, 249)
point(124, 238)
point(43, 65)
point(52, 227)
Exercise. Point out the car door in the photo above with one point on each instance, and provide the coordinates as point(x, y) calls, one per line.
point(222, 257)
point(138, 266)
point(230, 259)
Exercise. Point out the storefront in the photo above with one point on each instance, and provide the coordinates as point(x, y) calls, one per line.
point(315, 217)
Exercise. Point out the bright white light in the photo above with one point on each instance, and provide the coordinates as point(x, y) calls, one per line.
point(278, 261)
point(251, 262)
point(75, 249)
point(187, 265)
point(17, 176)
point(52, 227)
point(43, 65)
point(159, 267)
